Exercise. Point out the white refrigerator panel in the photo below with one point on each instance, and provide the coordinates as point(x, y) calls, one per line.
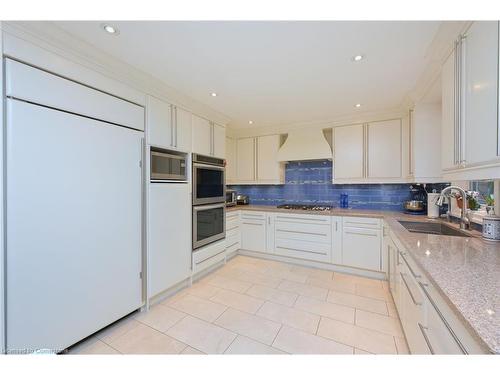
point(73, 226)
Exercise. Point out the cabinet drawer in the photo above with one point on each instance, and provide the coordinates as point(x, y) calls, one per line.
point(233, 231)
point(208, 255)
point(303, 249)
point(362, 222)
point(303, 231)
point(232, 248)
point(253, 215)
point(253, 234)
point(232, 223)
point(307, 218)
point(232, 215)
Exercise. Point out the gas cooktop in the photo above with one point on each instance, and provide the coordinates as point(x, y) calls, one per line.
point(306, 207)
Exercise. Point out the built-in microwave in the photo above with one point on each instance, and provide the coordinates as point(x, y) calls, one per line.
point(208, 180)
point(168, 165)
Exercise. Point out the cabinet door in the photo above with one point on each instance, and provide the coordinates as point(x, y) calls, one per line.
point(361, 248)
point(182, 130)
point(169, 235)
point(348, 152)
point(231, 172)
point(219, 141)
point(160, 131)
point(268, 168)
point(202, 136)
point(384, 149)
point(336, 240)
point(253, 234)
point(448, 113)
point(246, 159)
point(481, 92)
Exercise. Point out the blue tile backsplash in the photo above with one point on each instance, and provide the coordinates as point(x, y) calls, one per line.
point(310, 182)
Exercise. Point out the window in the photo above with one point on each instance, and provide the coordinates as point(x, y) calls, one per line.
point(484, 187)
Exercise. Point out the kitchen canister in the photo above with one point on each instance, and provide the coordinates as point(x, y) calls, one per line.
point(491, 228)
point(432, 207)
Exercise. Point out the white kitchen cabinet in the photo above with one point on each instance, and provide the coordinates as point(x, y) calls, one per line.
point(348, 151)
point(481, 93)
point(361, 243)
point(245, 159)
point(183, 129)
point(303, 236)
point(208, 138)
point(254, 231)
point(336, 239)
point(233, 232)
point(231, 158)
point(202, 136)
point(269, 169)
point(384, 149)
point(169, 235)
point(218, 141)
point(448, 141)
point(168, 126)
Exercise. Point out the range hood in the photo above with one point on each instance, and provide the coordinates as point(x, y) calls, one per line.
point(305, 144)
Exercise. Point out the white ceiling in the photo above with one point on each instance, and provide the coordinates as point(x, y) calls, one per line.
point(274, 73)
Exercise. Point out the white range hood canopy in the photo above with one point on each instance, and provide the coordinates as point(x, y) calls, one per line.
point(305, 144)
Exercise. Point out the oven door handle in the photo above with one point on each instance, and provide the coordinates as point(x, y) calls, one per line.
point(209, 166)
point(209, 207)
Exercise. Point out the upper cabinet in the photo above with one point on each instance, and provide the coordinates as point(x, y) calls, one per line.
point(231, 167)
point(368, 152)
point(256, 160)
point(348, 151)
point(470, 127)
point(168, 126)
point(384, 149)
point(208, 138)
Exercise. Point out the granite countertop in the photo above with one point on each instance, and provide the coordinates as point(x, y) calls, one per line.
point(465, 270)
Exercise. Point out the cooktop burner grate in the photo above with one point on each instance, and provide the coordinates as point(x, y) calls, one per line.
point(306, 207)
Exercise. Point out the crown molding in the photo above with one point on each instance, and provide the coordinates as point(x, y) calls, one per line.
point(54, 39)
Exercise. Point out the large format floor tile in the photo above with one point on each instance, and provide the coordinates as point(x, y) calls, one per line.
point(146, 340)
point(298, 342)
point(255, 327)
point(261, 306)
point(245, 345)
point(201, 335)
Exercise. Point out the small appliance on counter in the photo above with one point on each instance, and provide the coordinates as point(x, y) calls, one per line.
point(230, 197)
point(417, 205)
point(242, 199)
point(491, 228)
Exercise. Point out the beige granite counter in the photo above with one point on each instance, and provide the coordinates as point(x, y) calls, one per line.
point(465, 270)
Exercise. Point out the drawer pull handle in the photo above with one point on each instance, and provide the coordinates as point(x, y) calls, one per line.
point(300, 232)
point(361, 233)
point(409, 267)
point(258, 224)
point(426, 338)
point(301, 219)
point(448, 327)
point(302, 251)
point(409, 291)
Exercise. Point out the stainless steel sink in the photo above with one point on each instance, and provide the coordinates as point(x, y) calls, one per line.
point(432, 228)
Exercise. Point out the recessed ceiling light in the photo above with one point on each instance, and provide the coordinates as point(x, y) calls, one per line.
point(214, 94)
point(250, 122)
point(110, 29)
point(357, 58)
point(357, 105)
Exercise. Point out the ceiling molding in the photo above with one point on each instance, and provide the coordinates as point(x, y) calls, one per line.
point(57, 40)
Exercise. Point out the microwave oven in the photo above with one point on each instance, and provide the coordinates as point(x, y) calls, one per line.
point(168, 165)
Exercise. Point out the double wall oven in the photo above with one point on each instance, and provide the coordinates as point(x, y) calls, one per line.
point(209, 200)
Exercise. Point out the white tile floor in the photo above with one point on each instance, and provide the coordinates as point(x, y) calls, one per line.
point(257, 306)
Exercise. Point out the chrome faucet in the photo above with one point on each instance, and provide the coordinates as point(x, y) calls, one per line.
point(464, 219)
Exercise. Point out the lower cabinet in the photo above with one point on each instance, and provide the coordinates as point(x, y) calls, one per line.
point(303, 236)
point(254, 231)
point(362, 243)
point(429, 324)
point(233, 232)
point(169, 242)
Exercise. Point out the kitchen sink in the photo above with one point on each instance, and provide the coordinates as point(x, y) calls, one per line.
point(432, 228)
